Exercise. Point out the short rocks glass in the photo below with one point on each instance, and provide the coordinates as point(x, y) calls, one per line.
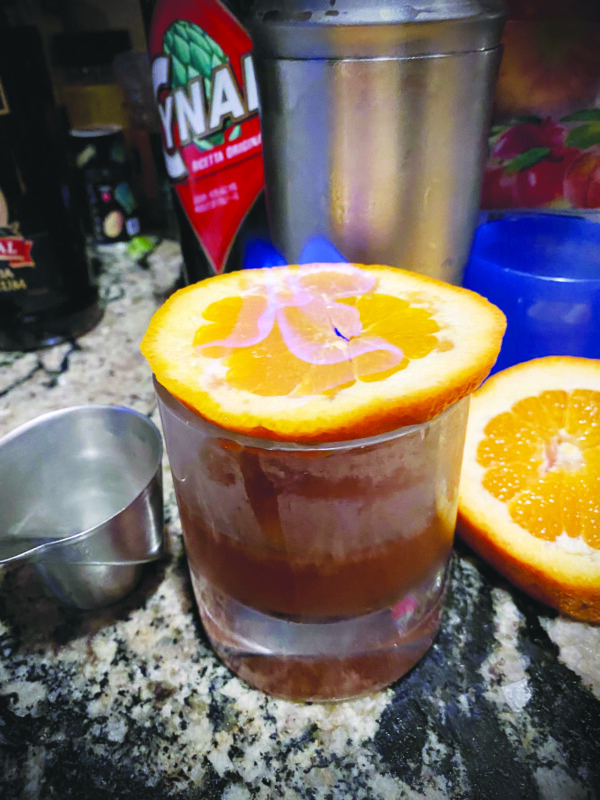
point(319, 569)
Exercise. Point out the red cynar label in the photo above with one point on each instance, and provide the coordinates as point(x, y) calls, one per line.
point(205, 89)
point(15, 251)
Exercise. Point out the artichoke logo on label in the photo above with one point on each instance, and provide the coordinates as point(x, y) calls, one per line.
point(205, 89)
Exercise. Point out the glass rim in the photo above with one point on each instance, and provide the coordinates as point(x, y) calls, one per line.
point(247, 440)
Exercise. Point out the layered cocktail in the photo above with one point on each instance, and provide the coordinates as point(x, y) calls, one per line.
point(318, 532)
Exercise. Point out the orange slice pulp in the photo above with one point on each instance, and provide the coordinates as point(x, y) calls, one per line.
point(530, 484)
point(322, 352)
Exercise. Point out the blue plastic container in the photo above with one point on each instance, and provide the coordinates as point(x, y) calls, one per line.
point(543, 271)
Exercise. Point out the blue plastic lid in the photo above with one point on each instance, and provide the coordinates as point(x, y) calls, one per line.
point(546, 245)
point(543, 271)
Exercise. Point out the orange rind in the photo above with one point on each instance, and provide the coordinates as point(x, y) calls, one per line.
point(530, 483)
point(322, 352)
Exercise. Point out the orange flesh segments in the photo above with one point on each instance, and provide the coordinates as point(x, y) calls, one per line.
point(322, 352)
point(542, 458)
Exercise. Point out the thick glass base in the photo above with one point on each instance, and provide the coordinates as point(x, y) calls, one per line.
point(325, 660)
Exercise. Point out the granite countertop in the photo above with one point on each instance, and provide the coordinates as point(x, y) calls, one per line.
point(130, 702)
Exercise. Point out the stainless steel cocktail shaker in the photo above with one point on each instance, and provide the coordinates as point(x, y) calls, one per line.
point(374, 121)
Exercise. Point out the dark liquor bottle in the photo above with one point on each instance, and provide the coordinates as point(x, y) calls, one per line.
point(47, 293)
point(204, 86)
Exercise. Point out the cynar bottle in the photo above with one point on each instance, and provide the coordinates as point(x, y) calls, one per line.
point(205, 90)
point(47, 291)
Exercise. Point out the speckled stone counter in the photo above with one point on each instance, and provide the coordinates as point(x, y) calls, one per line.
point(130, 702)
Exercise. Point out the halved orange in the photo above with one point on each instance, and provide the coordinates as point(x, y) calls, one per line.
point(322, 352)
point(530, 484)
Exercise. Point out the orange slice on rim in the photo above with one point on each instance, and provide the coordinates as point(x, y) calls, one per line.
point(322, 352)
point(530, 483)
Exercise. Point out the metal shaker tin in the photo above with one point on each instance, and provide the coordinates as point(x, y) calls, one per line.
point(374, 120)
point(102, 174)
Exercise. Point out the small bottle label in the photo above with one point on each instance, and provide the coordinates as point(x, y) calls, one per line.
point(205, 88)
point(15, 252)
